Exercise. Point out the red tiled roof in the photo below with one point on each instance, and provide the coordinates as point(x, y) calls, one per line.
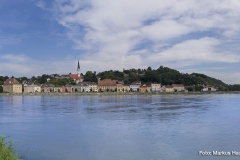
point(177, 85)
point(120, 85)
point(75, 76)
point(107, 82)
point(11, 81)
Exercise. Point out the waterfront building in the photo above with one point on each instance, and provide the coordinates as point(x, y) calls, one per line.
point(163, 89)
point(120, 88)
point(123, 88)
point(11, 85)
point(209, 88)
point(107, 85)
point(178, 87)
point(134, 87)
point(205, 89)
point(155, 87)
point(59, 89)
point(93, 87)
point(77, 88)
point(145, 88)
point(126, 88)
point(47, 88)
point(85, 87)
point(68, 88)
point(32, 88)
point(169, 88)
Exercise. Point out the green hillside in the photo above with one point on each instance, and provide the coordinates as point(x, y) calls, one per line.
point(163, 75)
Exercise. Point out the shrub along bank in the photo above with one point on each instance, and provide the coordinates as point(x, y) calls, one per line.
point(6, 150)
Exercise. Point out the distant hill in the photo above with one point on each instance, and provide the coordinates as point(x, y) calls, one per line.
point(163, 75)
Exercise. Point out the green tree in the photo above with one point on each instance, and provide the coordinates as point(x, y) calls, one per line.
point(1, 89)
point(88, 76)
point(198, 88)
point(149, 68)
point(190, 88)
point(94, 77)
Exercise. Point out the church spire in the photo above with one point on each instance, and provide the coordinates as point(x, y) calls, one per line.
point(78, 65)
point(78, 69)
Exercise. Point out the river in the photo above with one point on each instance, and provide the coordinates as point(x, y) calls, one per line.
point(122, 127)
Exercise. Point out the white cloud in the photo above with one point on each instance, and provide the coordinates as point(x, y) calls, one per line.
point(177, 33)
point(41, 4)
point(194, 51)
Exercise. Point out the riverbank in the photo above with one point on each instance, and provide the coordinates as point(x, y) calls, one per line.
point(115, 93)
point(6, 150)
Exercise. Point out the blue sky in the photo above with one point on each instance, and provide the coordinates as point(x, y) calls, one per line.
point(49, 36)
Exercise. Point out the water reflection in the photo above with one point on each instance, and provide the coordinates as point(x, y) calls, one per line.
point(120, 127)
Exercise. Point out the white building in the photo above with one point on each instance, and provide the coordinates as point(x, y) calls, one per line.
point(93, 87)
point(86, 87)
point(178, 87)
point(134, 87)
point(32, 88)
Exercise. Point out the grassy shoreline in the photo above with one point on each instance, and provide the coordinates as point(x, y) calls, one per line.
point(6, 150)
point(117, 93)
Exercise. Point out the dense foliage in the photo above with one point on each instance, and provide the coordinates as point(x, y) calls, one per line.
point(90, 77)
point(235, 87)
point(6, 150)
point(2, 79)
point(163, 75)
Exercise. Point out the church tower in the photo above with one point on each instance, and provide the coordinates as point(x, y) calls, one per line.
point(78, 69)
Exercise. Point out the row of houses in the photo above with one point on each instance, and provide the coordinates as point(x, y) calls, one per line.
point(11, 85)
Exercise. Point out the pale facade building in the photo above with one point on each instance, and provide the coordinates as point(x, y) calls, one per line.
point(120, 88)
point(145, 88)
point(47, 88)
point(155, 87)
point(11, 85)
point(107, 85)
point(169, 88)
point(134, 87)
point(32, 88)
point(93, 87)
point(178, 87)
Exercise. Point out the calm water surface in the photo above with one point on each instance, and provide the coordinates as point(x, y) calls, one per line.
point(130, 127)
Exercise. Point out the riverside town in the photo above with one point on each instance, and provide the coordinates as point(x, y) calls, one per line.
point(162, 79)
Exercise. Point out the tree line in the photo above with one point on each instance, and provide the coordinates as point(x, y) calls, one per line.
point(163, 75)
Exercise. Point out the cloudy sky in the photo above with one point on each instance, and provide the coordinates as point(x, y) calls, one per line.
point(49, 36)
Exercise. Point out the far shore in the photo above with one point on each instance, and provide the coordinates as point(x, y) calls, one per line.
point(115, 93)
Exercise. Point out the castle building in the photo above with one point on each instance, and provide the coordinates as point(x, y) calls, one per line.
point(77, 77)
